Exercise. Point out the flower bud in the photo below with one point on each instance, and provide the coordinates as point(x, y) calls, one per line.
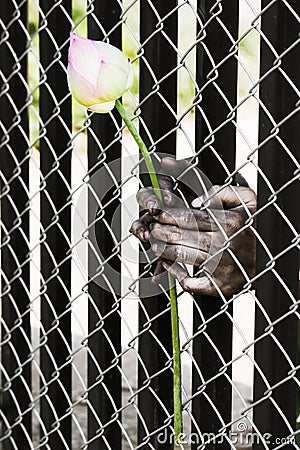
point(98, 73)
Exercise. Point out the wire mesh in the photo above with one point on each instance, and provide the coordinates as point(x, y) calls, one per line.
point(86, 347)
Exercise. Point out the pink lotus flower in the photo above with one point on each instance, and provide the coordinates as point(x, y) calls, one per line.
point(98, 73)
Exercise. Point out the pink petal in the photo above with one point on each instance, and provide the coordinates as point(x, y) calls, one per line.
point(97, 73)
point(83, 56)
point(109, 53)
point(81, 89)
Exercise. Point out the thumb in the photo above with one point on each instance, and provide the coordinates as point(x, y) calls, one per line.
point(227, 197)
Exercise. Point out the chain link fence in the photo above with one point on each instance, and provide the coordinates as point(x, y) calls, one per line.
point(86, 355)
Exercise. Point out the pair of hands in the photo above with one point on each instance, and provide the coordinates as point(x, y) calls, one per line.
point(211, 232)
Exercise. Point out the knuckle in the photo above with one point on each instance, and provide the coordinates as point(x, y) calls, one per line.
point(158, 248)
point(155, 227)
point(154, 247)
point(169, 199)
point(235, 221)
point(164, 181)
point(136, 226)
point(143, 191)
point(185, 284)
point(163, 216)
point(174, 229)
point(251, 194)
point(180, 254)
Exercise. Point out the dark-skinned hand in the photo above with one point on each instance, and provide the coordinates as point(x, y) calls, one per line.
point(189, 230)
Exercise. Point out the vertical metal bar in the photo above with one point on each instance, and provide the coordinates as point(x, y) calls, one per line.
point(55, 163)
point(15, 329)
point(279, 98)
point(104, 318)
point(215, 46)
point(162, 59)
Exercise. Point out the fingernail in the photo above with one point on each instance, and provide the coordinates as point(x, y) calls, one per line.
point(153, 207)
point(141, 235)
point(146, 235)
point(167, 199)
point(165, 265)
point(156, 278)
point(197, 203)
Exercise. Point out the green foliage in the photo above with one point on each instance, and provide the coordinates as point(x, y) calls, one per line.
point(33, 70)
point(248, 55)
point(32, 28)
point(77, 14)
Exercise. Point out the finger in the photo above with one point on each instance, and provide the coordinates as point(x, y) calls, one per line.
point(239, 180)
point(197, 285)
point(174, 167)
point(227, 197)
point(140, 227)
point(190, 219)
point(179, 253)
point(169, 168)
point(147, 199)
point(159, 269)
point(189, 238)
point(188, 182)
point(170, 199)
point(166, 184)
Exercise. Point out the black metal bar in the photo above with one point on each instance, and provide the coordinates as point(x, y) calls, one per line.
point(162, 59)
point(104, 336)
point(15, 301)
point(215, 46)
point(55, 163)
point(280, 30)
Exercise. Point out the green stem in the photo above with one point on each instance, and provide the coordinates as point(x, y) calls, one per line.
point(176, 361)
point(172, 287)
point(142, 147)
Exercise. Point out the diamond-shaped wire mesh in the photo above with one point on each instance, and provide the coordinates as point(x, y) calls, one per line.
point(86, 356)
